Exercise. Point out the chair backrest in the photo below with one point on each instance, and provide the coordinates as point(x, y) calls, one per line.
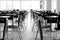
point(2, 20)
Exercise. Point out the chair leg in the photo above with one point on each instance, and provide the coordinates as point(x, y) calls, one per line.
point(19, 34)
point(36, 35)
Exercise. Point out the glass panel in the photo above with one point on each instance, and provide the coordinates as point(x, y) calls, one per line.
point(25, 5)
point(16, 4)
point(2, 5)
point(9, 4)
point(35, 5)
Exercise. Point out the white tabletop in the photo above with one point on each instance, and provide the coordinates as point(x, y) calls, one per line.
point(52, 16)
point(4, 16)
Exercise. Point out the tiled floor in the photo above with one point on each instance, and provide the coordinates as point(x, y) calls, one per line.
point(15, 35)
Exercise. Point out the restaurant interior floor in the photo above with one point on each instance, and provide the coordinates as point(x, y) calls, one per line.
point(28, 34)
point(20, 35)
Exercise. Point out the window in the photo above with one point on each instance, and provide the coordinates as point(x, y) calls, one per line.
point(16, 4)
point(2, 5)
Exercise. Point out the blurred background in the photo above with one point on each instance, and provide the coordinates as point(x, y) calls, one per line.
point(29, 19)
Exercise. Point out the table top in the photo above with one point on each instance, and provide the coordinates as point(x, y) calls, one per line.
point(4, 16)
point(52, 16)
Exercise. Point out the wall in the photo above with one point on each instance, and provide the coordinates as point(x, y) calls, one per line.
point(58, 5)
point(48, 4)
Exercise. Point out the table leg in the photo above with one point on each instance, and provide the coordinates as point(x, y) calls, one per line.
point(4, 31)
point(41, 34)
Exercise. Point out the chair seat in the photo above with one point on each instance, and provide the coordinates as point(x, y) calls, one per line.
point(13, 27)
point(2, 20)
